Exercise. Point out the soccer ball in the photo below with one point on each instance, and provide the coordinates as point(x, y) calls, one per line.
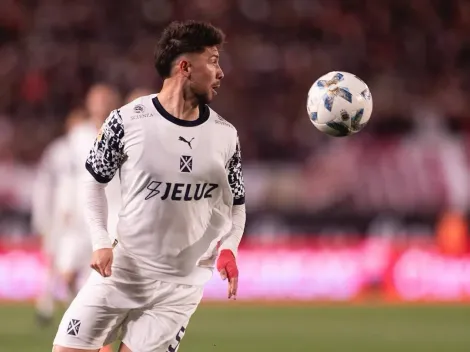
point(339, 104)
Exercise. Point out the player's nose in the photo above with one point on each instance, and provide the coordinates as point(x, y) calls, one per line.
point(220, 74)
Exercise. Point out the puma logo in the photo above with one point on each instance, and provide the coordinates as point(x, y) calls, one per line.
point(182, 139)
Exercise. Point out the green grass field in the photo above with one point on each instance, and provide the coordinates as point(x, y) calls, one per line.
point(252, 328)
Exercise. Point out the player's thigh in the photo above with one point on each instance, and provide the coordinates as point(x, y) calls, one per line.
point(161, 326)
point(93, 318)
point(148, 333)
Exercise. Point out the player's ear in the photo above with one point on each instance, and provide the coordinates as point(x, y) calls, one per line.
point(184, 67)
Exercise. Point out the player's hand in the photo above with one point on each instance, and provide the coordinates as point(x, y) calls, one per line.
point(102, 260)
point(227, 267)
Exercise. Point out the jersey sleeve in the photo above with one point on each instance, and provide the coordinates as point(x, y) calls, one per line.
point(235, 176)
point(107, 154)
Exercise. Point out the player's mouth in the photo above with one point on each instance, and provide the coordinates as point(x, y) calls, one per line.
point(214, 88)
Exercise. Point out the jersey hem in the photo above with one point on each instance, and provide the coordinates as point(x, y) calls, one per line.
point(198, 277)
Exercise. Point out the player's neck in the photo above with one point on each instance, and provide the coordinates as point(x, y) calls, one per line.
point(173, 100)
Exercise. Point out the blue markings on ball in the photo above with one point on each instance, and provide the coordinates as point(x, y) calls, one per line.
point(366, 94)
point(344, 93)
point(341, 130)
point(337, 77)
point(356, 120)
point(328, 100)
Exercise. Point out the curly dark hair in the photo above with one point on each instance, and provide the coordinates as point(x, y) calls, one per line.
point(184, 37)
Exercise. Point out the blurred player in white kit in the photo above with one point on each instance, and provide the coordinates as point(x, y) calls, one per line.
point(182, 213)
point(75, 247)
point(50, 208)
point(58, 198)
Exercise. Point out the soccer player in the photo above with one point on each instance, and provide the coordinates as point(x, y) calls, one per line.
point(183, 198)
point(74, 248)
point(100, 99)
point(49, 208)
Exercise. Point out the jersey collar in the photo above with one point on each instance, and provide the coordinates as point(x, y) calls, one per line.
point(203, 115)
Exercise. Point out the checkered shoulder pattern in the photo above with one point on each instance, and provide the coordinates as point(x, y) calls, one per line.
point(107, 154)
point(235, 177)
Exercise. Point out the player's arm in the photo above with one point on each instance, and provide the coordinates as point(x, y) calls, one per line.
point(235, 178)
point(105, 158)
point(228, 249)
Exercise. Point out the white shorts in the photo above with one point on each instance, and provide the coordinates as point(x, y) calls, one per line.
point(73, 254)
point(150, 317)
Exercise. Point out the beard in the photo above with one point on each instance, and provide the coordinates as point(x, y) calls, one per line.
point(202, 98)
point(200, 93)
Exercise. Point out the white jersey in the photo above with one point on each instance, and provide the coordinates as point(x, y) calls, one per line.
point(58, 200)
point(173, 174)
point(50, 203)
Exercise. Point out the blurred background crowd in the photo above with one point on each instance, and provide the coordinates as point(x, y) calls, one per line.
point(401, 175)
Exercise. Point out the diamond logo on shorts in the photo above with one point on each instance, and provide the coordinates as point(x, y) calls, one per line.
point(74, 327)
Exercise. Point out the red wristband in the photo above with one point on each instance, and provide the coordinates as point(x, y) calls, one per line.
point(228, 262)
